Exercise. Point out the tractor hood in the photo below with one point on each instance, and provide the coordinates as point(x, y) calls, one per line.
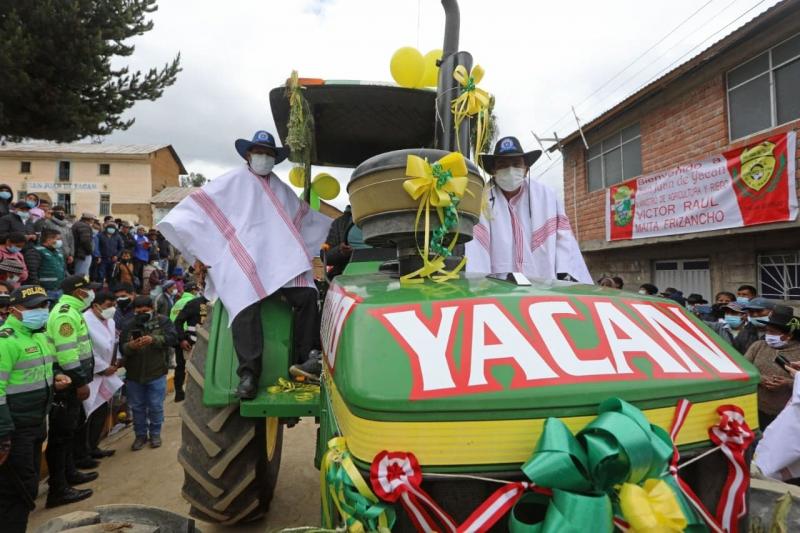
point(477, 347)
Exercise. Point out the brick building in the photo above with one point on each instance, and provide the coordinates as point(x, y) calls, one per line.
point(739, 91)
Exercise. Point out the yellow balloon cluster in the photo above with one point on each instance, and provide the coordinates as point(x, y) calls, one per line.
point(411, 69)
point(323, 184)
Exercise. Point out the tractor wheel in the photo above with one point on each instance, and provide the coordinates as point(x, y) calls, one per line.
point(230, 462)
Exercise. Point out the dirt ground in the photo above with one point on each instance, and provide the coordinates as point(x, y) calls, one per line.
point(154, 477)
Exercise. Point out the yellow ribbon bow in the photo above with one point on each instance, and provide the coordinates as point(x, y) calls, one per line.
point(471, 102)
point(651, 508)
point(435, 185)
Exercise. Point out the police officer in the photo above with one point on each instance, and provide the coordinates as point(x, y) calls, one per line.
point(190, 293)
point(26, 377)
point(67, 329)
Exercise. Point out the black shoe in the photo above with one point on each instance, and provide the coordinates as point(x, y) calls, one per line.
point(79, 478)
point(248, 387)
point(87, 463)
point(67, 496)
point(97, 453)
point(155, 441)
point(179, 396)
point(309, 370)
point(138, 443)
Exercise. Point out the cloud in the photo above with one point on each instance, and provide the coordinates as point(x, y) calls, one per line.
point(540, 58)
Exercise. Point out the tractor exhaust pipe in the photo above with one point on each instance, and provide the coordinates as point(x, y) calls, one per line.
point(447, 88)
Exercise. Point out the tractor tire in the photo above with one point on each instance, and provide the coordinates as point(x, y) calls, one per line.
point(230, 465)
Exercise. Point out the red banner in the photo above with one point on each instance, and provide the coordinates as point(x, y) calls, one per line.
point(742, 187)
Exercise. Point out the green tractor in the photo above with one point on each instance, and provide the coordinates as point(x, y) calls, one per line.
point(462, 373)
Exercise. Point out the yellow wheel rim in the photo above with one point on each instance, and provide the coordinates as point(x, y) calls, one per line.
point(272, 437)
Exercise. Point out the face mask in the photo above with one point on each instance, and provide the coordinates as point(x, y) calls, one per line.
point(59, 215)
point(261, 164)
point(88, 299)
point(759, 321)
point(510, 178)
point(5, 195)
point(145, 316)
point(742, 300)
point(108, 313)
point(23, 215)
point(643, 292)
point(733, 321)
point(112, 231)
point(13, 249)
point(774, 341)
point(59, 244)
point(123, 302)
point(31, 203)
point(34, 318)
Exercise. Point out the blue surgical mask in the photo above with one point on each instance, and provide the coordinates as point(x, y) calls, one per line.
point(112, 231)
point(23, 215)
point(59, 244)
point(733, 321)
point(34, 319)
point(759, 321)
point(774, 341)
point(13, 249)
point(5, 195)
point(742, 300)
point(30, 203)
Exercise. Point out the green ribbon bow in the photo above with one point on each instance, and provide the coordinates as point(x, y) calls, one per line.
point(619, 446)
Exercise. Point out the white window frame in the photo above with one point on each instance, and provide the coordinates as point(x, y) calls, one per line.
point(603, 153)
point(786, 288)
point(773, 104)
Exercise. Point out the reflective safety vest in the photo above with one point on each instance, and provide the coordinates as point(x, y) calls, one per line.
point(185, 298)
point(26, 376)
point(67, 329)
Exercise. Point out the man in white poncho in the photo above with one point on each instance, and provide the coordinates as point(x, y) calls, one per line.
point(524, 227)
point(256, 237)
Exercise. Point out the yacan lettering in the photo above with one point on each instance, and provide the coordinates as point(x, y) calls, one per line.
point(544, 350)
point(338, 306)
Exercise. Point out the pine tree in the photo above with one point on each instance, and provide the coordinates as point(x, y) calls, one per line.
point(56, 78)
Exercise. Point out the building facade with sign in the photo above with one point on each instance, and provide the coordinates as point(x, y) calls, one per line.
point(691, 181)
point(103, 179)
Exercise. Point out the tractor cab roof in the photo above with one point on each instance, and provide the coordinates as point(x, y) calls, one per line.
point(354, 120)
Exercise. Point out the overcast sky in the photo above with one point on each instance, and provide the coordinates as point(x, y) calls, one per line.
point(540, 58)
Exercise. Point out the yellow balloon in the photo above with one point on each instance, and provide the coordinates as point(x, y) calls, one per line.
point(430, 78)
point(326, 186)
point(407, 67)
point(297, 177)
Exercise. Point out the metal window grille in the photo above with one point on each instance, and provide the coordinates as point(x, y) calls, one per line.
point(779, 275)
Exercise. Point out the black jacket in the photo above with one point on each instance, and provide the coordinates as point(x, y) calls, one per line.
point(110, 245)
point(338, 235)
point(33, 261)
point(150, 362)
point(82, 235)
point(192, 314)
point(749, 335)
point(9, 224)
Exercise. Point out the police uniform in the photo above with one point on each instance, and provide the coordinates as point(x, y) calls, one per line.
point(180, 357)
point(69, 333)
point(26, 379)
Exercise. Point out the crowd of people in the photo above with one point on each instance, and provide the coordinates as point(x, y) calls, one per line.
point(90, 311)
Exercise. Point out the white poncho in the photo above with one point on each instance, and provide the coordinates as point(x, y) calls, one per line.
point(253, 233)
point(103, 334)
point(529, 234)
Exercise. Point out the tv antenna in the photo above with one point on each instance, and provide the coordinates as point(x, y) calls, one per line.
point(555, 139)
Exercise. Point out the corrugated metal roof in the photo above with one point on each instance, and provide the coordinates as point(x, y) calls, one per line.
point(773, 14)
point(172, 195)
point(90, 149)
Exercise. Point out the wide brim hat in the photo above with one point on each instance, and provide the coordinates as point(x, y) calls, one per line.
point(261, 138)
point(782, 318)
point(508, 147)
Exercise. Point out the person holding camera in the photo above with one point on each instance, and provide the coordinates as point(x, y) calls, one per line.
point(781, 338)
point(145, 343)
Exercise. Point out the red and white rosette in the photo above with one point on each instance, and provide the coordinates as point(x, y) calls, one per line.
point(398, 476)
point(733, 436)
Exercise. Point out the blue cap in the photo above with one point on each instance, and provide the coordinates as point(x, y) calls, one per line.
point(760, 303)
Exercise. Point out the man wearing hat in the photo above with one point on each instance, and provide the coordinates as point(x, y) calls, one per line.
point(83, 241)
point(782, 330)
point(68, 330)
point(26, 381)
point(256, 238)
point(524, 227)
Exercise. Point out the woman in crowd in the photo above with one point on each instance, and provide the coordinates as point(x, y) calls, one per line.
point(781, 337)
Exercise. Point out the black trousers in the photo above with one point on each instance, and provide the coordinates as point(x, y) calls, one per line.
point(20, 473)
point(80, 443)
point(180, 369)
point(95, 424)
point(64, 420)
point(248, 338)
